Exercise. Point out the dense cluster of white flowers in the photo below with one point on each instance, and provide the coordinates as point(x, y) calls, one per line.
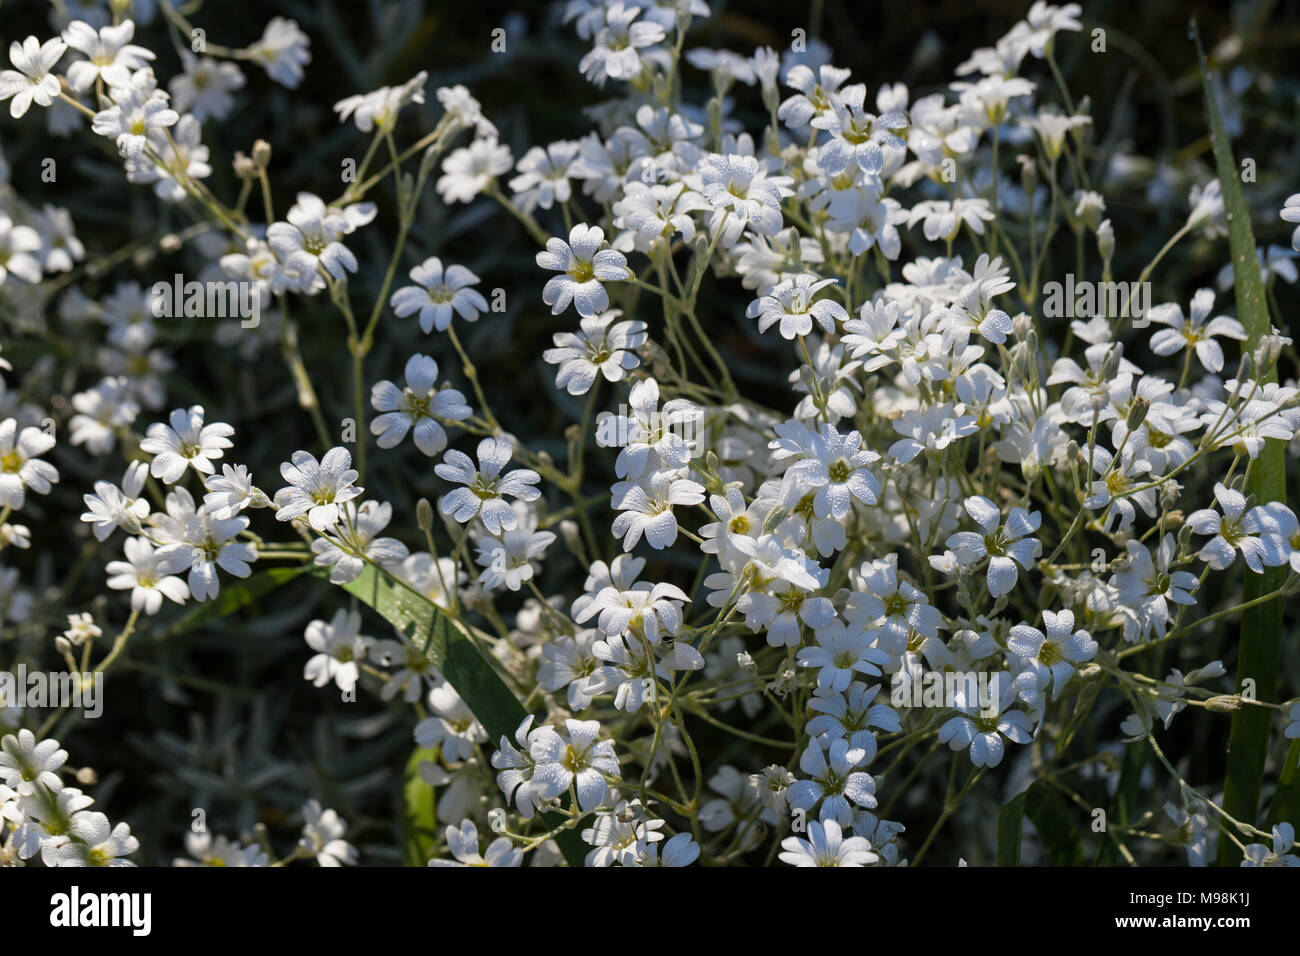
point(947, 489)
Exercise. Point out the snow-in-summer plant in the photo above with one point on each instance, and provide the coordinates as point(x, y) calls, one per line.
point(929, 544)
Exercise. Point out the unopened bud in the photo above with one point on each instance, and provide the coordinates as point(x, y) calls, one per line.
point(1184, 539)
point(1106, 241)
point(1110, 365)
point(170, 243)
point(245, 168)
point(261, 154)
point(87, 777)
point(424, 515)
point(1224, 704)
point(1137, 413)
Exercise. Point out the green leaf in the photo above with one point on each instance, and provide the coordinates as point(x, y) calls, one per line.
point(1261, 626)
point(419, 810)
point(449, 646)
point(1051, 817)
point(233, 597)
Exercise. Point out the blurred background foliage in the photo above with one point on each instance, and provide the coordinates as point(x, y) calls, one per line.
point(216, 716)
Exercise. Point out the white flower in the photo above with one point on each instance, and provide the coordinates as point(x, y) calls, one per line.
point(1053, 656)
point(650, 438)
point(316, 489)
point(791, 302)
point(282, 51)
point(835, 465)
point(617, 54)
point(508, 560)
point(980, 726)
point(840, 654)
point(418, 405)
point(380, 108)
point(231, 492)
point(466, 110)
point(132, 117)
point(1235, 530)
point(583, 265)
point(934, 428)
point(463, 844)
point(827, 846)
point(485, 488)
point(452, 726)
point(574, 758)
point(1004, 545)
point(101, 846)
point(543, 178)
point(110, 508)
point(835, 782)
point(739, 188)
point(26, 763)
point(81, 628)
point(648, 509)
point(436, 295)
point(1194, 332)
point(17, 243)
point(185, 441)
point(1260, 854)
point(204, 89)
point(309, 242)
point(149, 574)
point(32, 81)
point(339, 647)
point(202, 543)
point(868, 220)
point(110, 54)
point(322, 836)
point(467, 171)
point(622, 835)
point(60, 247)
point(20, 463)
point(1208, 210)
point(101, 411)
point(600, 347)
point(352, 542)
point(679, 850)
point(1145, 589)
point(1290, 213)
point(517, 766)
point(816, 96)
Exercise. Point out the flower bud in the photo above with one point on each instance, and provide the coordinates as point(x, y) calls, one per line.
point(1110, 365)
point(424, 515)
point(1106, 241)
point(1224, 703)
point(1137, 413)
point(261, 154)
point(245, 168)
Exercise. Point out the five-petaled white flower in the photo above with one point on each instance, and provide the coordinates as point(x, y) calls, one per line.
point(485, 490)
point(583, 265)
point(186, 440)
point(418, 405)
point(316, 489)
point(437, 294)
